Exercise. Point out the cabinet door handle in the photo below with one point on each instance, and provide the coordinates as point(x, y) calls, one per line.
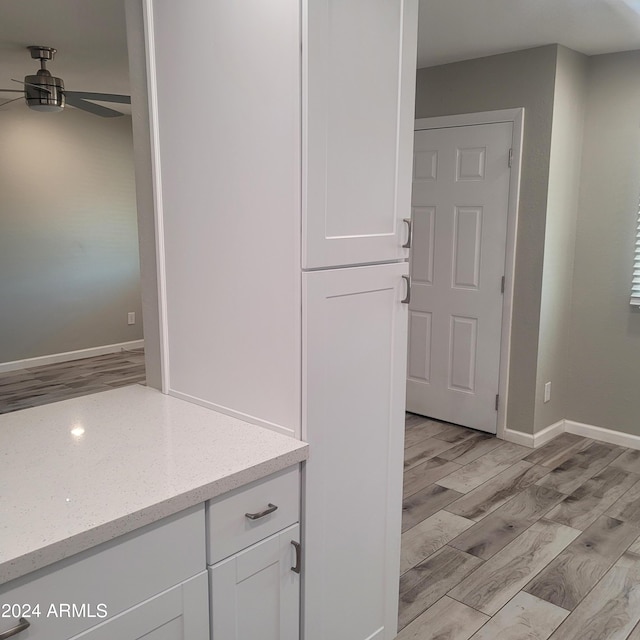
point(407, 298)
point(298, 548)
point(21, 626)
point(256, 516)
point(407, 244)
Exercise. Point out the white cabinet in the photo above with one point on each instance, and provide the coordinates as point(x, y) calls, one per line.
point(181, 613)
point(119, 575)
point(255, 557)
point(294, 153)
point(153, 583)
point(256, 593)
point(358, 106)
point(356, 330)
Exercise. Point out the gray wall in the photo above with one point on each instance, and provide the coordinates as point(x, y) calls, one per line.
point(562, 209)
point(521, 79)
point(69, 268)
point(604, 365)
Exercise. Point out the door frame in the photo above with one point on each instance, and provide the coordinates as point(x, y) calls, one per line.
point(515, 116)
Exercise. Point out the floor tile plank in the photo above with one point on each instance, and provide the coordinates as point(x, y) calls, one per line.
point(413, 419)
point(447, 619)
point(426, 473)
point(593, 498)
point(575, 471)
point(525, 617)
point(504, 525)
point(555, 452)
point(627, 507)
point(635, 547)
point(629, 461)
point(480, 502)
point(428, 536)
point(568, 578)
point(428, 581)
point(420, 432)
point(475, 473)
point(611, 610)
point(454, 433)
point(424, 450)
point(425, 503)
point(492, 585)
point(471, 448)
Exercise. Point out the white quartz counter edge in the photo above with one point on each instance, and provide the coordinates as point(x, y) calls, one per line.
point(136, 456)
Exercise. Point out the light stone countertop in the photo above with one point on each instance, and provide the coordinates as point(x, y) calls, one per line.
point(77, 473)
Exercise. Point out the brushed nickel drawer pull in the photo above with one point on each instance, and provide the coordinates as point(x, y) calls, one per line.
point(407, 244)
point(256, 516)
point(407, 298)
point(21, 626)
point(298, 548)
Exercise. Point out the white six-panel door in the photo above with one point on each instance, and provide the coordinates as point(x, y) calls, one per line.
point(355, 329)
point(459, 210)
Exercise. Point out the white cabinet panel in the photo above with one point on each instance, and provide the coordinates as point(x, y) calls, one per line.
point(355, 331)
point(358, 103)
point(178, 614)
point(226, 83)
point(256, 594)
point(118, 574)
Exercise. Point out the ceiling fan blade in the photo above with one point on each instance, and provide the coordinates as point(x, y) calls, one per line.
point(29, 84)
point(100, 97)
point(96, 109)
point(8, 101)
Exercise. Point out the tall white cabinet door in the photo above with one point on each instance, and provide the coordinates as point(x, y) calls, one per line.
point(181, 613)
point(359, 65)
point(255, 594)
point(225, 85)
point(355, 329)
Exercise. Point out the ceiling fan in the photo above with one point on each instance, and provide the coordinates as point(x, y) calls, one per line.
point(44, 92)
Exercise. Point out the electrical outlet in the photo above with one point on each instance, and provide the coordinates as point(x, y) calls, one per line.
point(131, 317)
point(547, 392)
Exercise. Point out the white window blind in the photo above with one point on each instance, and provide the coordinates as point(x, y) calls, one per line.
point(635, 287)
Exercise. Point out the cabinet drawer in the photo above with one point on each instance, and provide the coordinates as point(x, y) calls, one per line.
point(229, 528)
point(116, 575)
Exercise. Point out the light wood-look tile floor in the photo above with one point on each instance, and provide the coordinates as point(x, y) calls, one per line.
point(53, 382)
point(502, 542)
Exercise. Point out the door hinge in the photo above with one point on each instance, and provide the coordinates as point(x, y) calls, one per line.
point(502, 285)
point(497, 401)
point(510, 156)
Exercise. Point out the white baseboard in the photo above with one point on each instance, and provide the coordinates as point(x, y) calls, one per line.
point(603, 435)
point(517, 437)
point(536, 439)
point(68, 356)
point(578, 428)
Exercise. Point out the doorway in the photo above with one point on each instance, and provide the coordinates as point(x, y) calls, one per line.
point(464, 212)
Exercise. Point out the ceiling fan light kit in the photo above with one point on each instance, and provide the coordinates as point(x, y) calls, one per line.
point(44, 92)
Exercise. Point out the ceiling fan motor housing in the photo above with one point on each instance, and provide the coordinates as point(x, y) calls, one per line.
point(43, 92)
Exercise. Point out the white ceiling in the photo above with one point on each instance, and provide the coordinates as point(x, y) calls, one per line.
point(453, 30)
point(92, 53)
